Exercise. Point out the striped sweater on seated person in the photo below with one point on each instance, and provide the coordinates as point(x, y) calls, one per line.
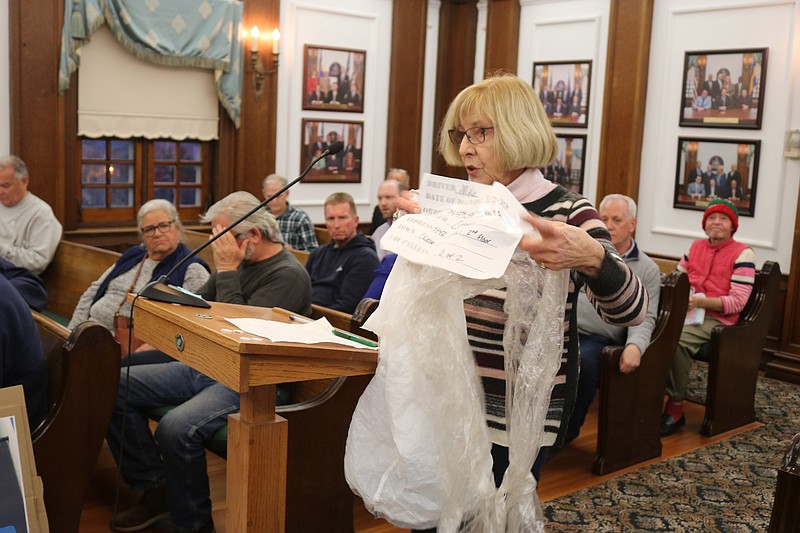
point(616, 293)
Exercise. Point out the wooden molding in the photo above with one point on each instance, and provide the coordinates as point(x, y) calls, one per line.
point(625, 96)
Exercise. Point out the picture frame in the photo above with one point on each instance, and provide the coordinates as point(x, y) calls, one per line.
point(724, 88)
point(344, 167)
point(568, 169)
point(732, 164)
point(563, 88)
point(333, 79)
point(23, 493)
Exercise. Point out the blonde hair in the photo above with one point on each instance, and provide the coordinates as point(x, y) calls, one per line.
point(523, 137)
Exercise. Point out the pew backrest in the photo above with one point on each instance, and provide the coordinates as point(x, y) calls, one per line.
point(83, 376)
point(74, 267)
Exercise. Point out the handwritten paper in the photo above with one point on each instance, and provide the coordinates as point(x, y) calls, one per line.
point(467, 228)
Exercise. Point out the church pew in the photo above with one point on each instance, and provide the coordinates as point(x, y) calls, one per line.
point(785, 517)
point(83, 375)
point(74, 267)
point(734, 354)
point(630, 405)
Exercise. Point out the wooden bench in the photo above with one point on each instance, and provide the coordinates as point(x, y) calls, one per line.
point(630, 405)
point(785, 518)
point(734, 354)
point(83, 375)
point(74, 267)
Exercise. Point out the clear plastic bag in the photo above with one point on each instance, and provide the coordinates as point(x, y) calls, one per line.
point(418, 450)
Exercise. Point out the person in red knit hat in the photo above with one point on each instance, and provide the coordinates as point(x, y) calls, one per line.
point(721, 274)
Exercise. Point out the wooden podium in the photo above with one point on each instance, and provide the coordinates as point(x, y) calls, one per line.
point(257, 438)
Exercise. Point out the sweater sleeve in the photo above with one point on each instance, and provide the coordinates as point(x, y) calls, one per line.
point(196, 276)
point(617, 293)
point(744, 275)
point(81, 312)
point(640, 335)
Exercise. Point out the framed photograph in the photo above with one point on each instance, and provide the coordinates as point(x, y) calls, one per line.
point(563, 88)
point(724, 89)
point(344, 167)
point(567, 170)
point(717, 168)
point(334, 79)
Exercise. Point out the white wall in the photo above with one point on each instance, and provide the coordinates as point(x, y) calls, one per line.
point(707, 25)
point(5, 79)
point(565, 30)
point(354, 24)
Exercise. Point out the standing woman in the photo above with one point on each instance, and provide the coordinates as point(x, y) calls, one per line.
point(161, 249)
point(497, 129)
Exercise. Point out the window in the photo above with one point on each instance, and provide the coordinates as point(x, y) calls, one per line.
point(119, 175)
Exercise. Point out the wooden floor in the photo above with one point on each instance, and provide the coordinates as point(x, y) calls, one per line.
point(566, 472)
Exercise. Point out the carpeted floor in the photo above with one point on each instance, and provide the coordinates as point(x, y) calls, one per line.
point(728, 486)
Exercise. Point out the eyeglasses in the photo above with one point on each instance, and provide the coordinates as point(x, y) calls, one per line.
point(476, 135)
point(163, 227)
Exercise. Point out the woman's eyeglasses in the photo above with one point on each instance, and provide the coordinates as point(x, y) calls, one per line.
point(476, 135)
point(163, 227)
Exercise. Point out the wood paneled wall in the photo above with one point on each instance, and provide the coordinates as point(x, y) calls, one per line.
point(406, 84)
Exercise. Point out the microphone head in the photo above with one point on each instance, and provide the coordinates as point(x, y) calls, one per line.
point(335, 148)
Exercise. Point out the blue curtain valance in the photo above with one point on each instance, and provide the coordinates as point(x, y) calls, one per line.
point(186, 33)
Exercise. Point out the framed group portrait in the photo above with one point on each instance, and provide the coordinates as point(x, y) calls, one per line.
point(563, 89)
point(343, 167)
point(717, 168)
point(567, 169)
point(334, 78)
point(724, 89)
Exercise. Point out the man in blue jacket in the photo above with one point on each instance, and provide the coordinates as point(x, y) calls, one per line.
point(341, 271)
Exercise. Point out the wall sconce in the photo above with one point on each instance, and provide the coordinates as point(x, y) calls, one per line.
point(259, 73)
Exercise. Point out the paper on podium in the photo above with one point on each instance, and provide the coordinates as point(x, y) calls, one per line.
point(467, 228)
point(308, 333)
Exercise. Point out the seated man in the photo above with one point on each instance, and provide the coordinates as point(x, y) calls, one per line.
point(619, 214)
point(388, 193)
point(723, 271)
point(21, 358)
point(29, 231)
point(697, 189)
point(341, 270)
point(253, 268)
point(296, 228)
point(400, 175)
point(702, 102)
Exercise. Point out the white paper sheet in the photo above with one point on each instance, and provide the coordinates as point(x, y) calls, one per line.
point(466, 228)
point(308, 333)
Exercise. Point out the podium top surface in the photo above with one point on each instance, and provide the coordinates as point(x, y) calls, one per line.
point(204, 340)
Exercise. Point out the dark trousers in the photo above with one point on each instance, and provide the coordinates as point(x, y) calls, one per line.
point(591, 351)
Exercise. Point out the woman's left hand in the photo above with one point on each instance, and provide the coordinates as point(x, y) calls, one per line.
point(562, 246)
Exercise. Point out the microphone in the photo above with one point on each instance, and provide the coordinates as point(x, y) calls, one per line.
point(161, 291)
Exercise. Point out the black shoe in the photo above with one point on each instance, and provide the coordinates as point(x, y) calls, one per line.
point(208, 528)
point(669, 425)
point(152, 508)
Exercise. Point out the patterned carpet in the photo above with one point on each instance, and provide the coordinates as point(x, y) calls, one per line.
point(728, 486)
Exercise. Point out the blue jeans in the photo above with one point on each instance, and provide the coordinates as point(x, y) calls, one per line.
point(588, 380)
point(175, 456)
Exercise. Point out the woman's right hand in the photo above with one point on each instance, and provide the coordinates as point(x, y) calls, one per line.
point(408, 202)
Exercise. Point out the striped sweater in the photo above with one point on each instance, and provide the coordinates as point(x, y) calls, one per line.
point(616, 293)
